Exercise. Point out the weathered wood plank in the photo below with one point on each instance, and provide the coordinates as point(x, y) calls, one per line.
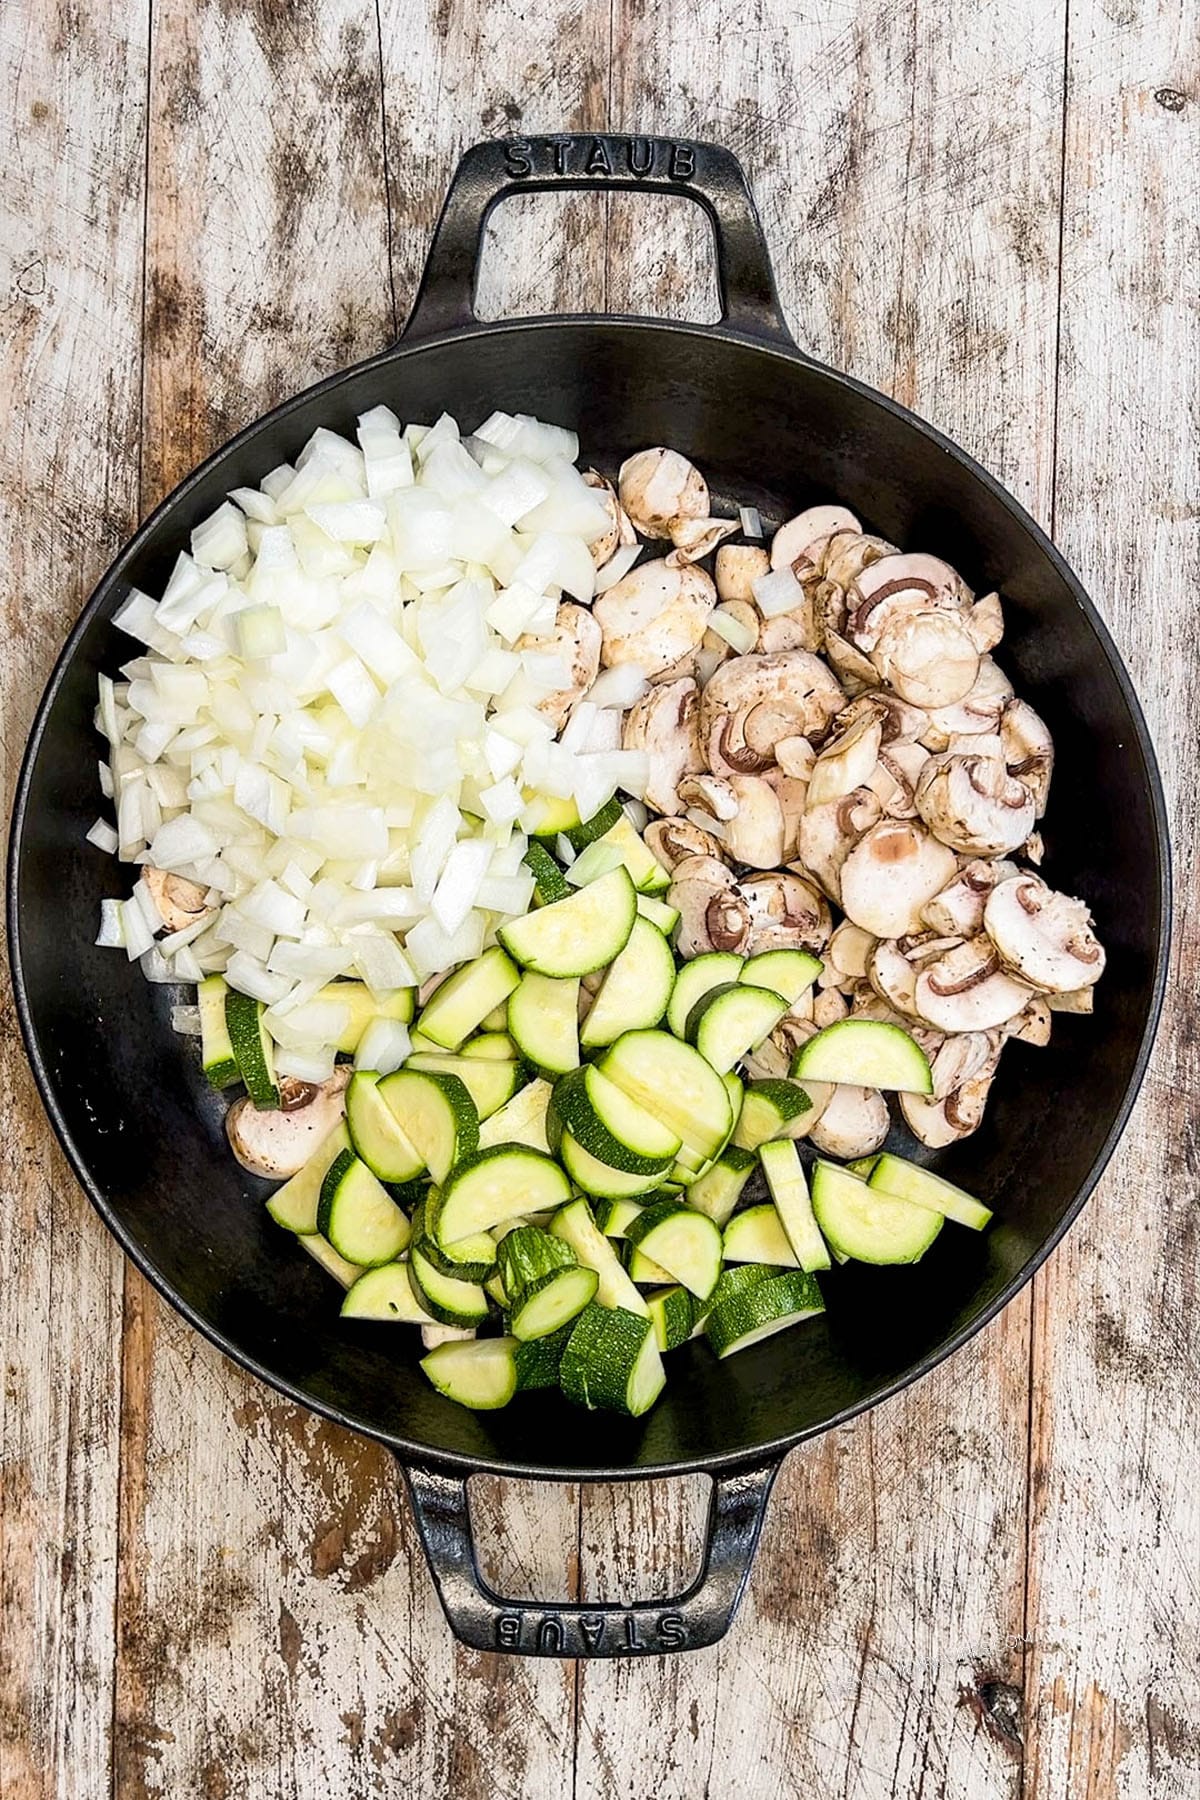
point(72, 97)
point(1114, 1593)
point(907, 165)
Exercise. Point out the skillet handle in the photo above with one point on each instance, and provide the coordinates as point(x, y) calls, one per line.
point(494, 170)
point(699, 1616)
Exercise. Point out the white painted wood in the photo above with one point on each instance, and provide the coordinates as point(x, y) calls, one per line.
point(72, 101)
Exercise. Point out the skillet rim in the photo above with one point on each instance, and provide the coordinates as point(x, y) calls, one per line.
point(774, 1449)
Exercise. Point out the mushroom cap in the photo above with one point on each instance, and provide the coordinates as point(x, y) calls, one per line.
point(848, 553)
point(847, 760)
point(854, 1123)
point(893, 975)
point(737, 568)
point(576, 639)
point(958, 909)
point(892, 587)
point(985, 622)
point(1043, 936)
point(928, 657)
point(795, 630)
point(753, 701)
point(973, 804)
point(659, 487)
point(278, 1143)
point(964, 1057)
point(900, 722)
point(620, 531)
point(714, 915)
point(794, 538)
point(1028, 750)
point(655, 615)
point(750, 812)
point(673, 840)
point(180, 902)
point(695, 538)
point(890, 874)
point(967, 989)
point(829, 833)
point(850, 948)
point(786, 912)
point(979, 711)
point(665, 724)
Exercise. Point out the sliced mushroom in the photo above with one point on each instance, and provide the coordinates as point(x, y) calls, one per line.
point(928, 657)
point(829, 833)
point(1043, 936)
point(895, 587)
point(796, 756)
point(985, 622)
point(968, 989)
point(786, 912)
point(958, 909)
point(1028, 750)
point(1033, 1024)
point(673, 840)
point(792, 794)
point(753, 701)
point(856, 672)
point(1033, 849)
point(665, 724)
point(180, 902)
point(847, 554)
point(696, 538)
point(854, 1123)
point(795, 537)
point(849, 950)
point(749, 809)
point(847, 760)
point(710, 794)
point(893, 975)
point(714, 914)
point(890, 874)
point(895, 778)
point(1079, 1000)
point(980, 710)
point(620, 531)
point(795, 630)
point(576, 640)
point(655, 615)
point(659, 490)
point(737, 568)
point(828, 1008)
point(278, 1143)
point(940, 1122)
point(973, 804)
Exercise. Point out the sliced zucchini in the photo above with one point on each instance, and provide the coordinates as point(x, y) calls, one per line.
point(544, 1307)
point(867, 1223)
point(575, 1225)
point(768, 1109)
point(294, 1205)
point(385, 1293)
point(477, 1372)
point(358, 1215)
point(672, 1316)
point(472, 1258)
point(376, 1133)
point(549, 882)
point(757, 1236)
point(596, 1177)
point(436, 1113)
point(643, 1270)
point(865, 1053)
point(446, 1298)
point(522, 1121)
point(786, 972)
point(645, 871)
point(863, 1166)
point(659, 913)
point(579, 935)
point(216, 1052)
point(789, 1191)
point(505, 1182)
point(734, 1280)
point(323, 1252)
point(908, 1181)
point(489, 1082)
point(543, 1019)
point(492, 1046)
point(612, 1127)
point(611, 1359)
point(682, 1241)
point(675, 1083)
point(252, 1047)
point(735, 1087)
point(550, 816)
point(729, 1021)
point(717, 1192)
point(761, 1310)
point(697, 978)
point(580, 835)
point(538, 1359)
point(496, 1019)
point(613, 1216)
point(527, 1254)
point(463, 1001)
point(364, 1005)
point(636, 989)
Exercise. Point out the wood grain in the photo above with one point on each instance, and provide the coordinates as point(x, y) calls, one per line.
point(72, 101)
point(1115, 1526)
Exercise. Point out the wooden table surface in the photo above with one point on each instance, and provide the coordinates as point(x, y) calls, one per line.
point(989, 1587)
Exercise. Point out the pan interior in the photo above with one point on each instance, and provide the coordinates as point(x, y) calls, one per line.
point(771, 430)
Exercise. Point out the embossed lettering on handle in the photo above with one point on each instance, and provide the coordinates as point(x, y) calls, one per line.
point(485, 1620)
point(490, 172)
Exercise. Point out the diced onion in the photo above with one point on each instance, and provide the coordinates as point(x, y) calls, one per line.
point(777, 592)
point(383, 1046)
point(740, 636)
point(751, 521)
point(103, 835)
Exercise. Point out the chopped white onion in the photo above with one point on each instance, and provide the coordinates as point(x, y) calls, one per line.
point(383, 1046)
point(103, 835)
point(740, 636)
point(751, 521)
point(111, 935)
point(186, 1020)
point(777, 592)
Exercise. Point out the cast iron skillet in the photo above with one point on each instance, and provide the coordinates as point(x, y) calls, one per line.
point(770, 427)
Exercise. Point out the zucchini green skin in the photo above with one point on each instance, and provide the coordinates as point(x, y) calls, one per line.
point(615, 1130)
point(735, 1279)
point(529, 1254)
point(762, 1309)
point(613, 1216)
point(549, 882)
point(867, 1224)
point(446, 1298)
point(538, 1359)
point(600, 1178)
point(295, 1204)
point(635, 991)
point(252, 1048)
point(480, 1374)
point(672, 1315)
point(604, 1357)
point(492, 1186)
point(695, 979)
point(465, 999)
point(767, 1110)
point(908, 1181)
point(579, 935)
point(731, 1020)
point(543, 1307)
point(358, 1215)
point(581, 835)
point(471, 1258)
point(216, 1052)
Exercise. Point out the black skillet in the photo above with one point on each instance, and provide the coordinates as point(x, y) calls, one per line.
point(771, 428)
